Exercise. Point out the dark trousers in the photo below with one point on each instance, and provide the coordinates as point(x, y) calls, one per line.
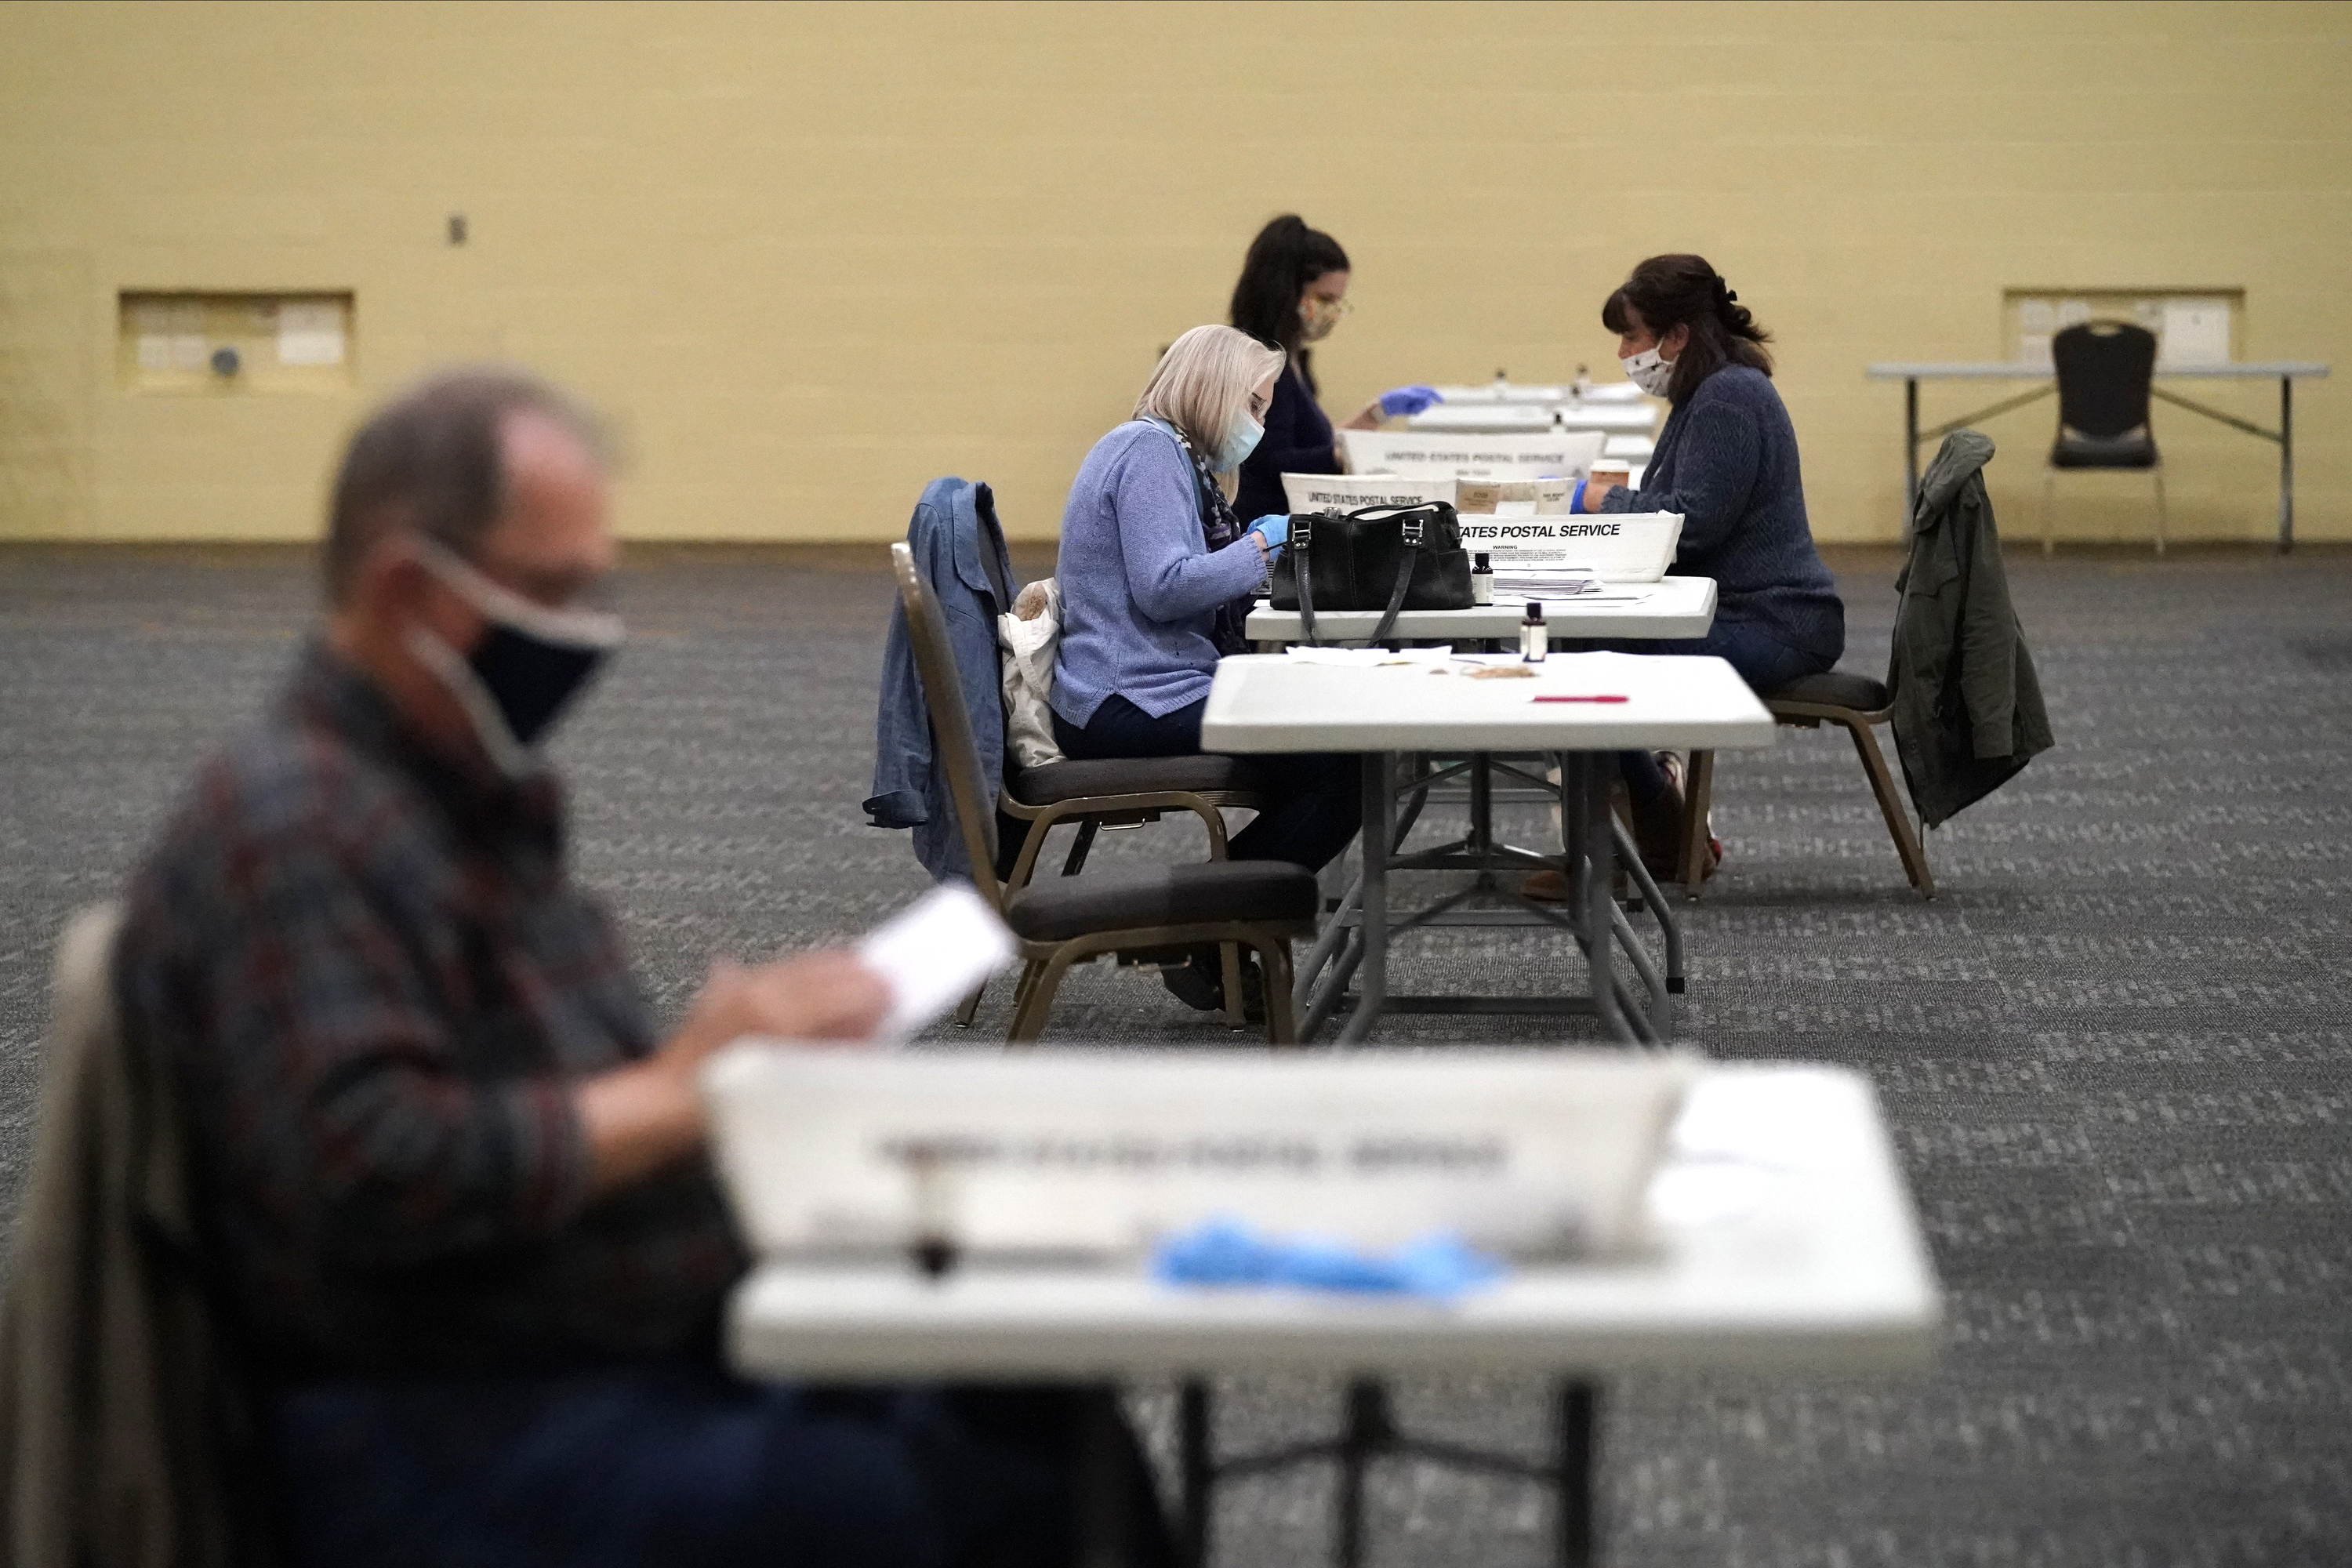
point(635, 1467)
point(1315, 800)
point(1762, 660)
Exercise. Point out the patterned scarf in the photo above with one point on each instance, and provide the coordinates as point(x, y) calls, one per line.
point(1219, 527)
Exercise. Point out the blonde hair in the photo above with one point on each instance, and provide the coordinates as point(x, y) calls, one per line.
point(1204, 380)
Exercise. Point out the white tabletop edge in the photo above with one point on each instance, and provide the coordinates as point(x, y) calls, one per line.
point(2019, 370)
point(1857, 1289)
point(1673, 606)
point(1270, 702)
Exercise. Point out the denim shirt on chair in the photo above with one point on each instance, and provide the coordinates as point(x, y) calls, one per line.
point(961, 552)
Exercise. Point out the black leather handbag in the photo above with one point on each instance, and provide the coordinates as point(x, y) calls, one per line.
point(1385, 558)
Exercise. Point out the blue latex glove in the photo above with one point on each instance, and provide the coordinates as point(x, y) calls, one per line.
point(1402, 400)
point(1275, 529)
point(1225, 1251)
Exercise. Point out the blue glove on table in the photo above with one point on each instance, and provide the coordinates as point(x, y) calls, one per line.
point(1275, 529)
point(1402, 400)
point(1225, 1251)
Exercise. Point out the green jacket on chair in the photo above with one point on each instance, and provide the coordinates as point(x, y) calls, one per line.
point(1967, 711)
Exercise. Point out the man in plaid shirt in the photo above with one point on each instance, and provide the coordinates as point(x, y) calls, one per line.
point(453, 1174)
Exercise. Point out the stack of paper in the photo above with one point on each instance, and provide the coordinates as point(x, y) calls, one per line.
point(1515, 582)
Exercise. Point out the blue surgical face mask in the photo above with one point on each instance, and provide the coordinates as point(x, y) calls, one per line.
point(1240, 440)
point(529, 665)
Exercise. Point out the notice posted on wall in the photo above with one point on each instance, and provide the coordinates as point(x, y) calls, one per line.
point(309, 332)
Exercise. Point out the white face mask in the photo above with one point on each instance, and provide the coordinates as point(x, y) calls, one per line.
point(1240, 442)
point(1650, 371)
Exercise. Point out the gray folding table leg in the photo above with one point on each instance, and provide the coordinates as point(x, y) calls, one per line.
point(1372, 972)
point(1647, 887)
point(2286, 464)
point(1329, 942)
point(1197, 1475)
point(1910, 450)
point(1579, 1406)
point(1599, 906)
point(1104, 1514)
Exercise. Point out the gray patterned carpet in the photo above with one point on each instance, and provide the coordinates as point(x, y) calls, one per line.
point(2115, 1051)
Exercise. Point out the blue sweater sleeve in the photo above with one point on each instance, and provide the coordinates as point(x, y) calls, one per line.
point(1171, 573)
point(1714, 476)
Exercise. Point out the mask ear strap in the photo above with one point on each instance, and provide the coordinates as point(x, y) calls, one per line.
point(458, 678)
point(570, 628)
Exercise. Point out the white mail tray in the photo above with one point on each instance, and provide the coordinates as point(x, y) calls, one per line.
point(1622, 547)
point(1101, 1152)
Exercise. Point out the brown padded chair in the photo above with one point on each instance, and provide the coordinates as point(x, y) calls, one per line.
point(1121, 792)
point(1147, 913)
point(1114, 793)
point(1838, 697)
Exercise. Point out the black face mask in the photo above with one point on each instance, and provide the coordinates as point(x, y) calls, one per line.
point(530, 664)
point(531, 679)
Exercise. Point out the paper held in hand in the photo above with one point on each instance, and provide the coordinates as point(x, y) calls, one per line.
point(933, 952)
point(1046, 1152)
point(1621, 547)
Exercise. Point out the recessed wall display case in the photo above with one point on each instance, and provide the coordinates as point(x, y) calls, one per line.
point(2192, 326)
point(214, 344)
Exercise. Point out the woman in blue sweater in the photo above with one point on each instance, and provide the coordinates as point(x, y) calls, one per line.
point(1157, 574)
point(1727, 461)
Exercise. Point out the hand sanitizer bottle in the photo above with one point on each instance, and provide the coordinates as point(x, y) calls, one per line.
point(1482, 578)
point(1535, 637)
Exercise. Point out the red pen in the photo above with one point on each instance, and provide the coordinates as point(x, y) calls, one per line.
point(1551, 697)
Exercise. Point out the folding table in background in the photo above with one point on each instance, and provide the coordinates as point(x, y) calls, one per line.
point(1579, 709)
point(2286, 372)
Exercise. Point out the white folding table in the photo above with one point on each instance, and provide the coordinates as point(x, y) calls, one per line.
point(2285, 371)
point(1670, 607)
point(1273, 703)
point(1785, 1240)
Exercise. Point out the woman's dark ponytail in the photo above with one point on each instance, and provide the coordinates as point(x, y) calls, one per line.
point(1284, 257)
point(1667, 292)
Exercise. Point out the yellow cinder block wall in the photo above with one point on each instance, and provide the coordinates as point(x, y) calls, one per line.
point(810, 256)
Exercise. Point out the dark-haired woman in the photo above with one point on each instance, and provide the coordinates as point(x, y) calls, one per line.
point(1727, 460)
point(1293, 292)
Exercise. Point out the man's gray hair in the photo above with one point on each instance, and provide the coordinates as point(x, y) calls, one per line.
point(430, 460)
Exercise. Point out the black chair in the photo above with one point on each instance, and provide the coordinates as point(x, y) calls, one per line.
point(2105, 370)
point(1153, 914)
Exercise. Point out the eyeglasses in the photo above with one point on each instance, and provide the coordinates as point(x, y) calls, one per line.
point(1332, 308)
